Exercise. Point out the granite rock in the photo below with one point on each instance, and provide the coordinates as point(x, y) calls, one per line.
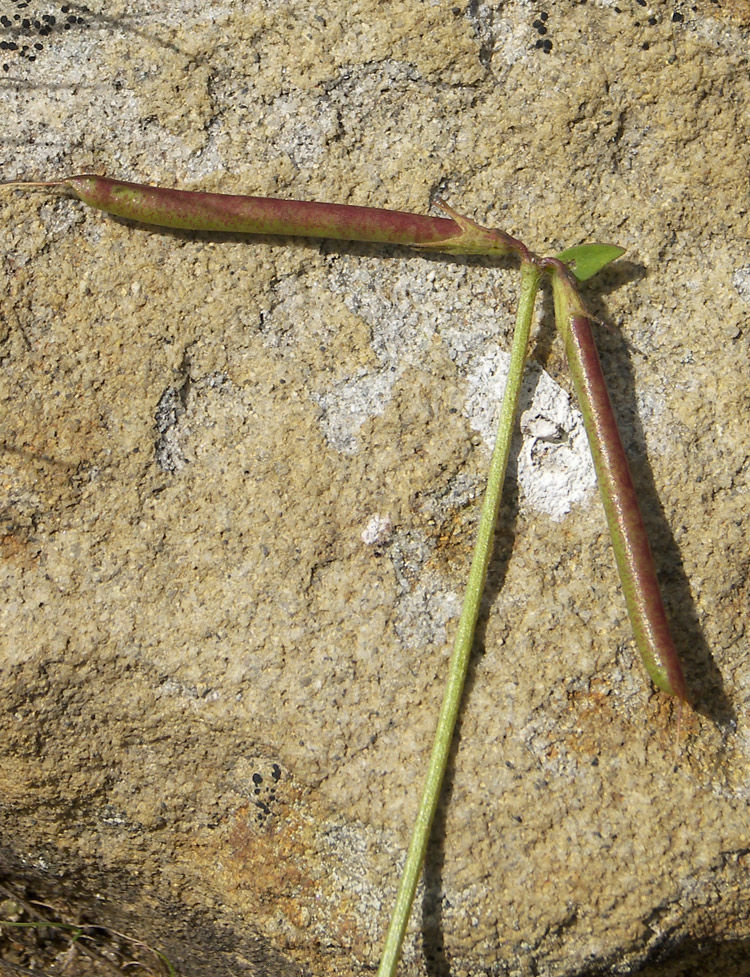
point(241, 480)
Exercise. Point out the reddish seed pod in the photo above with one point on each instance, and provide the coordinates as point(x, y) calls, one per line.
point(238, 213)
point(241, 214)
point(629, 539)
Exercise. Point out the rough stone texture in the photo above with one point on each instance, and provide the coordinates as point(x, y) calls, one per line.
point(241, 479)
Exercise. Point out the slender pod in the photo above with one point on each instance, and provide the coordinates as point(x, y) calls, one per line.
point(241, 214)
point(629, 540)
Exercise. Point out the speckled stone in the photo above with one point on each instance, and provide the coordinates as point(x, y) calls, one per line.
point(240, 481)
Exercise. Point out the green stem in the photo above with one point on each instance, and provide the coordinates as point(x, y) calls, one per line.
point(530, 275)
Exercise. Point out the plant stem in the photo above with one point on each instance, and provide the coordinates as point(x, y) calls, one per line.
point(530, 275)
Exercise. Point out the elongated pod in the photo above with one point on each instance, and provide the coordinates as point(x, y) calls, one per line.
point(241, 214)
point(629, 540)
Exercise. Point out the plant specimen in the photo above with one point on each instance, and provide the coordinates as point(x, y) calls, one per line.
point(453, 234)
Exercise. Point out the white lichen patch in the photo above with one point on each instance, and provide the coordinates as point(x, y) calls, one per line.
point(377, 530)
point(347, 405)
point(553, 462)
point(741, 281)
point(405, 306)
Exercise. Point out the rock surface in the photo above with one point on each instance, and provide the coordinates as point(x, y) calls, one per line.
point(241, 480)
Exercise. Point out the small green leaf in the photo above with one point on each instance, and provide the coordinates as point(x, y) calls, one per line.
point(585, 260)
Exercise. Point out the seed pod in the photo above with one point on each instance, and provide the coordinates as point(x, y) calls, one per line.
point(629, 540)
